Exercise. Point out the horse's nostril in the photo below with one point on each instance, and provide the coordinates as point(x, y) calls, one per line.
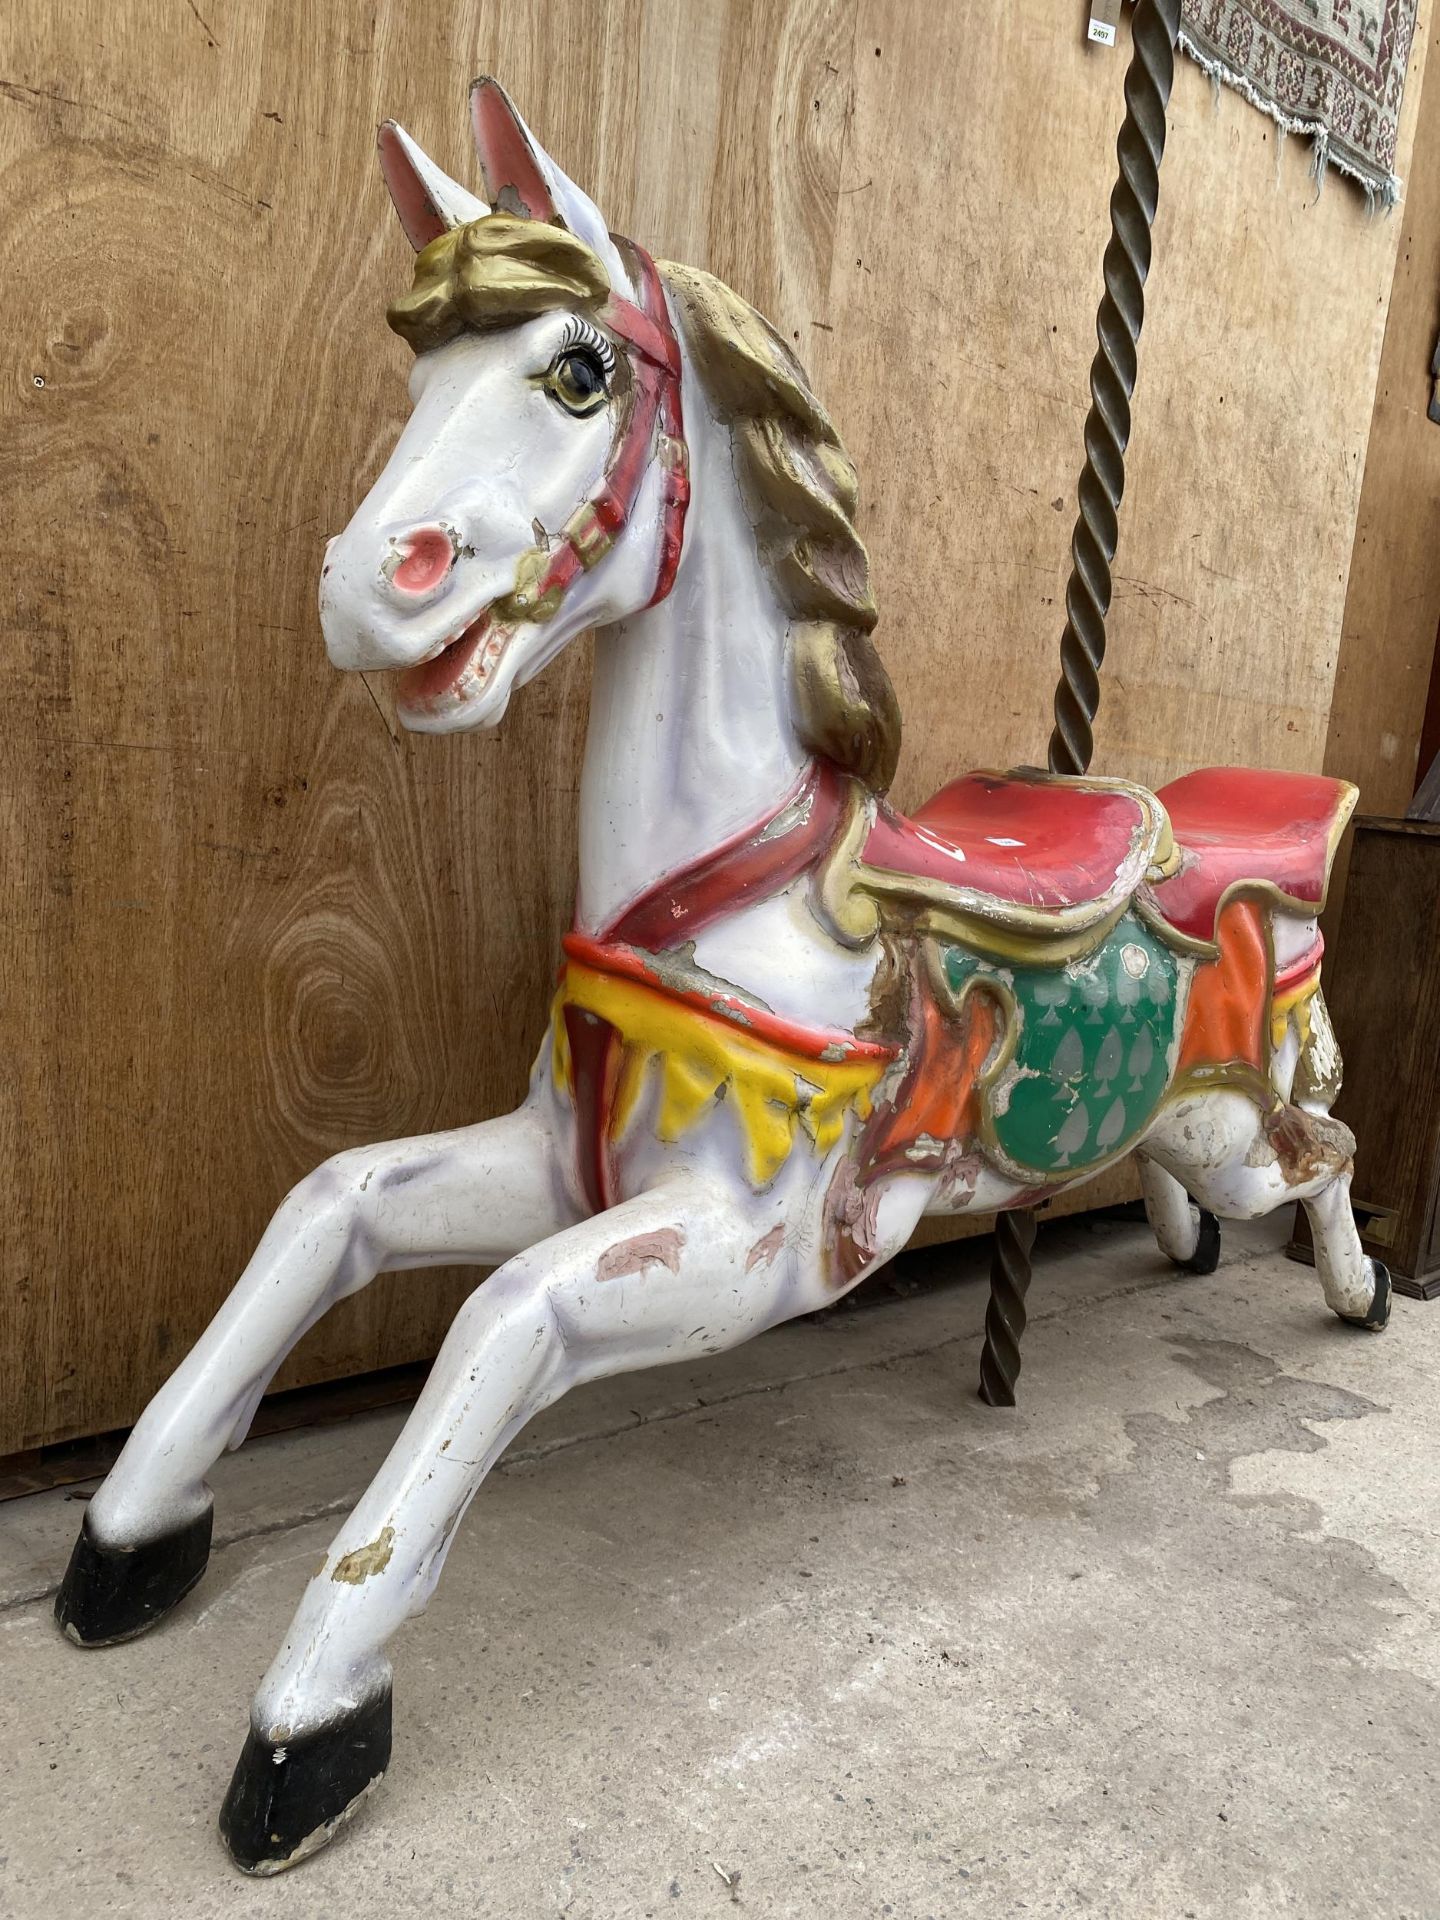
point(427, 555)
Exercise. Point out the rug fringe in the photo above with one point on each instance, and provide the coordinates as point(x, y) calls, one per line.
point(1380, 190)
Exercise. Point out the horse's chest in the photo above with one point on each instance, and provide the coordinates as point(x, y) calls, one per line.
point(643, 1066)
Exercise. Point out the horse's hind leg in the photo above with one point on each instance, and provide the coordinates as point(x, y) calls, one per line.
point(1184, 1233)
point(1356, 1287)
point(1241, 1163)
point(477, 1194)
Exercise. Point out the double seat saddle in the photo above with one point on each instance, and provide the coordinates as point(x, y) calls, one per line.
point(1029, 864)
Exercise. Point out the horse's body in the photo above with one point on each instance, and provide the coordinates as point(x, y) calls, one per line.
point(789, 1022)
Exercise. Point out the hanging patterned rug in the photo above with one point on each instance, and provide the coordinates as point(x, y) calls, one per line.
point(1332, 69)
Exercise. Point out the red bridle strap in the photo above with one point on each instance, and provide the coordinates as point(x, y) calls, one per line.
point(593, 528)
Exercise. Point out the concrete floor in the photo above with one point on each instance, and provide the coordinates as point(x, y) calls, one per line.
point(811, 1632)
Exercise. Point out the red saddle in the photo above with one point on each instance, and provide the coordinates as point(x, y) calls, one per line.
point(1238, 826)
point(1047, 850)
point(989, 842)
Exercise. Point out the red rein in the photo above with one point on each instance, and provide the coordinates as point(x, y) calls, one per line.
point(655, 360)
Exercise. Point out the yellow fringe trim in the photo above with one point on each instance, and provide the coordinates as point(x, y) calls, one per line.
point(771, 1089)
point(1295, 1000)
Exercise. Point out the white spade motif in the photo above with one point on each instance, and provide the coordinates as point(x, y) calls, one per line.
point(1128, 977)
point(1142, 1058)
point(1051, 993)
point(1071, 1136)
point(1095, 992)
point(1069, 1062)
point(1107, 1064)
point(1112, 1127)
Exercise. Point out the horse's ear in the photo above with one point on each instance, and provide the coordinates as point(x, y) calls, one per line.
point(521, 178)
point(428, 201)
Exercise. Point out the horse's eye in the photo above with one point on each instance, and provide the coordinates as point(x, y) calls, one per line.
point(577, 380)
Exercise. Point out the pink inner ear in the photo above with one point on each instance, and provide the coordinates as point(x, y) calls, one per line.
point(513, 180)
point(418, 217)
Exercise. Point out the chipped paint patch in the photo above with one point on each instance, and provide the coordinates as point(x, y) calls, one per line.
point(851, 1224)
point(796, 814)
point(960, 1171)
point(660, 1248)
point(1306, 1146)
point(321, 1836)
point(364, 1561)
point(682, 973)
point(765, 1248)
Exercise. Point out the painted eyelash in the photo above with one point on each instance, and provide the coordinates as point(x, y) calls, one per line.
point(579, 333)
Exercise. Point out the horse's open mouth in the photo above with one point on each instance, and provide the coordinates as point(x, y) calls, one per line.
point(422, 688)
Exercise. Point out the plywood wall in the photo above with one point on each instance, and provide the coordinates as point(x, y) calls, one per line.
point(246, 921)
point(1392, 606)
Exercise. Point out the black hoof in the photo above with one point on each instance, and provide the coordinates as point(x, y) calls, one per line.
point(1378, 1313)
point(113, 1593)
point(288, 1801)
point(1206, 1257)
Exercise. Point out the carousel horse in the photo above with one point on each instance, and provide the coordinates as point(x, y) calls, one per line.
point(789, 1021)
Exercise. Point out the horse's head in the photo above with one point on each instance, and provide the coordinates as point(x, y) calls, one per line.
point(539, 487)
point(541, 484)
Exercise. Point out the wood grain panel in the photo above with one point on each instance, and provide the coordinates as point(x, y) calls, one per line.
point(247, 921)
point(966, 276)
point(1392, 608)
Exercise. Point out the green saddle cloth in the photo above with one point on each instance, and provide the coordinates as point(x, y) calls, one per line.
point(1091, 1050)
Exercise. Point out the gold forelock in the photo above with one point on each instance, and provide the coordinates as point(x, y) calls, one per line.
point(495, 272)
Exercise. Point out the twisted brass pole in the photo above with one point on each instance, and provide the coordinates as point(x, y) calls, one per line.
point(1153, 32)
point(1005, 1315)
point(1112, 380)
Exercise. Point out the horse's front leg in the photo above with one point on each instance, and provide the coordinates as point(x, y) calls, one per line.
point(477, 1194)
point(687, 1267)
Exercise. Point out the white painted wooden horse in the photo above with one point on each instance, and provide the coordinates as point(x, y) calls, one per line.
point(790, 1021)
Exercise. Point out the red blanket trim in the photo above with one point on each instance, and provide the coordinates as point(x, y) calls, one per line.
point(748, 867)
point(1301, 969)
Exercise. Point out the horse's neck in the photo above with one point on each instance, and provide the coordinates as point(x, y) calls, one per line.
point(690, 733)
